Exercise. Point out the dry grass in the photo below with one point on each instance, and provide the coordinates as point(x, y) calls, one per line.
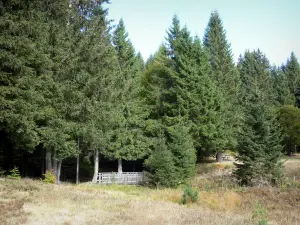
point(292, 168)
point(13, 196)
point(52, 204)
point(221, 201)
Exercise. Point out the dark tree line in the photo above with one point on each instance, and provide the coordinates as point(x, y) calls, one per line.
point(72, 85)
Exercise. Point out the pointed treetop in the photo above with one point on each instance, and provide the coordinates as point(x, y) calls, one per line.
point(173, 34)
point(292, 71)
point(122, 44)
point(216, 43)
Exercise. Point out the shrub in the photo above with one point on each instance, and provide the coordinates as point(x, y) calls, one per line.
point(173, 159)
point(2, 172)
point(161, 166)
point(49, 177)
point(259, 214)
point(189, 195)
point(14, 174)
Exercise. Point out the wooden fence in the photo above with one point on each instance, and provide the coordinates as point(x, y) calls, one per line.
point(121, 178)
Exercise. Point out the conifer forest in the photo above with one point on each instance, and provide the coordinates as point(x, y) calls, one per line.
point(76, 98)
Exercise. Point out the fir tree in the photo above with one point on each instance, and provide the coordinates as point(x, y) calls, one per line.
point(128, 141)
point(259, 148)
point(161, 165)
point(197, 96)
point(224, 73)
point(23, 58)
point(180, 92)
point(91, 79)
point(283, 95)
point(289, 119)
point(292, 72)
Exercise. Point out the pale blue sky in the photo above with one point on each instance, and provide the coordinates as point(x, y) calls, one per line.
point(271, 25)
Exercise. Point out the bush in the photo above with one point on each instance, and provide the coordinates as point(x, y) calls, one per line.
point(189, 195)
point(259, 214)
point(14, 174)
point(2, 172)
point(49, 177)
point(173, 159)
point(161, 166)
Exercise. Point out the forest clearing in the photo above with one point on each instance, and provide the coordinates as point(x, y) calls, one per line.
point(29, 201)
point(194, 110)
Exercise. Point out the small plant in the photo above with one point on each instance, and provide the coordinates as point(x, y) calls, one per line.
point(259, 214)
point(14, 174)
point(2, 172)
point(189, 195)
point(49, 177)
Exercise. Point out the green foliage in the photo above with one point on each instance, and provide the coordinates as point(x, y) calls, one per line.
point(161, 166)
point(181, 145)
point(49, 177)
point(259, 142)
point(283, 95)
point(14, 174)
point(173, 159)
point(292, 72)
point(260, 214)
point(128, 140)
point(23, 58)
point(2, 172)
point(289, 119)
point(189, 195)
point(65, 79)
point(225, 75)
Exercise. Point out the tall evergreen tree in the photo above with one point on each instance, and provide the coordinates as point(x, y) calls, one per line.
point(283, 95)
point(224, 73)
point(23, 39)
point(182, 93)
point(90, 79)
point(259, 141)
point(289, 119)
point(292, 71)
point(128, 141)
point(198, 98)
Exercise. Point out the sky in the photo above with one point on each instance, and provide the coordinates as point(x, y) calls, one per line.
point(273, 26)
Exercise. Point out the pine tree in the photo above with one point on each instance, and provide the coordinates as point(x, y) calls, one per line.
point(198, 98)
point(180, 93)
point(128, 141)
point(259, 148)
point(23, 58)
point(283, 95)
point(161, 165)
point(90, 79)
point(224, 74)
point(292, 72)
point(254, 69)
point(181, 145)
point(289, 119)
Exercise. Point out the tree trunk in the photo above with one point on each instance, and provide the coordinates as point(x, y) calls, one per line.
point(58, 171)
point(120, 170)
point(54, 163)
point(77, 170)
point(290, 148)
point(42, 162)
point(219, 157)
point(96, 166)
point(48, 160)
point(77, 164)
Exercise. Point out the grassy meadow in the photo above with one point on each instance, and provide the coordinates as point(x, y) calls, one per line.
point(220, 201)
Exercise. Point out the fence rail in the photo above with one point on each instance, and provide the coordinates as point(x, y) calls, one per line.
point(121, 178)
